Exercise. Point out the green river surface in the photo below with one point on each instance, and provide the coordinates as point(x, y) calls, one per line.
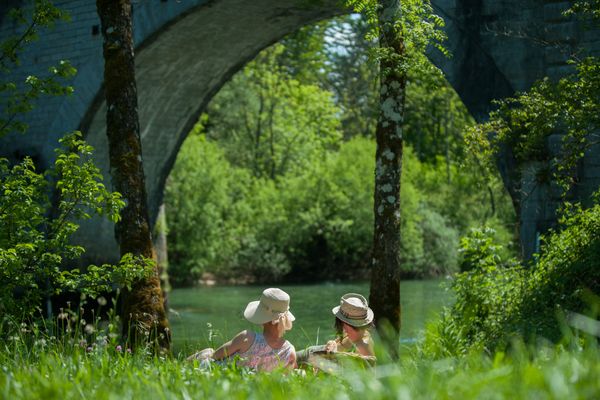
point(208, 316)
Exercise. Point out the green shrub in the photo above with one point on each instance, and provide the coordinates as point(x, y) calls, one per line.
point(311, 224)
point(439, 244)
point(479, 250)
point(568, 269)
point(498, 299)
point(36, 254)
point(201, 197)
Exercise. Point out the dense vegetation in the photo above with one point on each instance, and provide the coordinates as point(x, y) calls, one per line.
point(276, 180)
point(298, 200)
point(500, 299)
point(40, 209)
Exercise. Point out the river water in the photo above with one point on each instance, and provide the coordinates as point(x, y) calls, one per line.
point(211, 315)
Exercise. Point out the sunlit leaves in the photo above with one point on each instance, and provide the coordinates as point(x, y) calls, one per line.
point(35, 239)
point(570, 107)
point(498, 299)
point(415, 23)
point(19, 97)
point(270, 122)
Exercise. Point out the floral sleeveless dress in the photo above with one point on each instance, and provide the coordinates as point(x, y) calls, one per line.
point(263, 357)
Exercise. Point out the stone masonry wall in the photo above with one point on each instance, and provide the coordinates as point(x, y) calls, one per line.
point(187, 49)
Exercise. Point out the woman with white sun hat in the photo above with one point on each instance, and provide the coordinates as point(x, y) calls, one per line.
point(262, 351)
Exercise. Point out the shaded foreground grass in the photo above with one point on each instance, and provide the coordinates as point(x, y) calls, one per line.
point(47, 371)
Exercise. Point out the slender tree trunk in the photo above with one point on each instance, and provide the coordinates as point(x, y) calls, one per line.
point(385, 274)
point(162, 254)
point(144, 317)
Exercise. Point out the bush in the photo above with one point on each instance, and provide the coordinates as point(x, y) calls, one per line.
point(201, 197)
point(439, 244)
point(35, 249)
point(312, 224)
point(498, 299)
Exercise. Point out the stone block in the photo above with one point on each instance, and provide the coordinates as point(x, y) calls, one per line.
point(556, 72)
point(531, 205)
point(592, 155)
point(563, 32)
point(554, 143)
point(550, 208)
point(554, 11)
point(528, 235)
point(591, 171)
point(587, 188)
point(592, 161)
point(491, 8)
point(557, 55)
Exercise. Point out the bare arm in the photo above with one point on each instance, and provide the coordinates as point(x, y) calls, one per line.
point(239, 344)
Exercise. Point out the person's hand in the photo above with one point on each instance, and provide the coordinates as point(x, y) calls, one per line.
point(331, 346)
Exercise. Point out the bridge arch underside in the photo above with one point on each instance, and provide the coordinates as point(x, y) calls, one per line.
point(178, 70)
point(182, 66)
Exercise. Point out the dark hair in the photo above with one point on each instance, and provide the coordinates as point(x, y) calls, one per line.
point(339, 326)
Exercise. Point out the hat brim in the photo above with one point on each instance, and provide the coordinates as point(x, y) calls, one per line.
point(357, 323)
point(258, 315)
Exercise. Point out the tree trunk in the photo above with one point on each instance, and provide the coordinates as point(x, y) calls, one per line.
point(385, 274)
point(162, 253)
point(144, 317)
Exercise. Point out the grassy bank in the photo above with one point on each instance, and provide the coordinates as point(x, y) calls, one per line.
point(49, 370)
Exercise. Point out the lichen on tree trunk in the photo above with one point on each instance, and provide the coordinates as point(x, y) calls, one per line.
point(162, 256)
point(144, 317)
point(385, 274)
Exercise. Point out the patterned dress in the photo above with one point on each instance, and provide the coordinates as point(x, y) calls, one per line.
point(263, 357)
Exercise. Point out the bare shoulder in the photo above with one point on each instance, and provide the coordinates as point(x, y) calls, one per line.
point(244, 340)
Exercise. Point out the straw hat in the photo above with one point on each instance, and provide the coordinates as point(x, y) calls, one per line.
point(273, 304)
point(354, 310)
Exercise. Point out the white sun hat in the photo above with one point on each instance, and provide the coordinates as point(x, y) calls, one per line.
point(273, 305)
point(354, 310)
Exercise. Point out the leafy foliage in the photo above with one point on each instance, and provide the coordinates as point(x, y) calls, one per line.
point(18, 98)
point(36, 251)
point(498, 299)
point(586, 8)
point(35, 242)
point(569, 106)
point(316, 223)
point(275, 190)
point(417, 25)
point(435, 116)
point(526, 121)
point(280, 122)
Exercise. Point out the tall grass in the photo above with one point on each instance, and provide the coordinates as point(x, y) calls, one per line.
point(37, 366)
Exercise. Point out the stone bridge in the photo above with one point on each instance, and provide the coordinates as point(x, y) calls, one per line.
point(187, 49)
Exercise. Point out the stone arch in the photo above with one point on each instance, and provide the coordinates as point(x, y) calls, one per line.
point(212, 39)
point(178, 70)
